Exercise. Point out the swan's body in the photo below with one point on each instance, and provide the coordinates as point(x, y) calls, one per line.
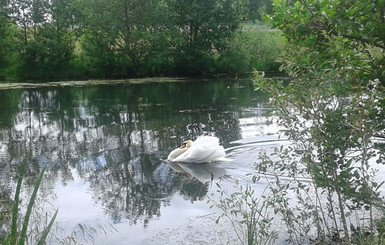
point(204, 149)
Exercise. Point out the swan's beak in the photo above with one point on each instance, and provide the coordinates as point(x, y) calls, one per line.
point(184, 144)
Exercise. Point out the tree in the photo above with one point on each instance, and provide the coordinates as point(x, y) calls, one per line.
point(257, 9)
point(347, 35)
point(201, 27)
point(122, 37)
point(58, 36)
point(21, 15)
point(4, 30)
point(43, 38)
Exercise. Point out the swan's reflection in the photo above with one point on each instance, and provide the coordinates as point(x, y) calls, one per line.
point(204, 172)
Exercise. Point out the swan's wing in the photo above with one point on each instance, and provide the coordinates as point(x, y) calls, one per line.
point(218, 152)
point(193, 155)
point(206, 141)
point(211, 145)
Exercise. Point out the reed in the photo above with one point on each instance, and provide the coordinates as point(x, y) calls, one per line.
point(20, 237)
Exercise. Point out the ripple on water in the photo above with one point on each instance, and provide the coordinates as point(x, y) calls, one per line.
point(244, 154)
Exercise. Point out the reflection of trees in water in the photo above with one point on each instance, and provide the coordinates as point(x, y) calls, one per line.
point(5, 209)
point(111, 143)
point(194, 189)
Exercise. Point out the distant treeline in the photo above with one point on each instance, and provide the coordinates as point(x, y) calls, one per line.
point(79, 39)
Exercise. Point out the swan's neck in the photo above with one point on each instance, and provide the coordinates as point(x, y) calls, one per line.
point(175, 153)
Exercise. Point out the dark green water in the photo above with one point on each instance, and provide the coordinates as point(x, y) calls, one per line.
point(105, 149)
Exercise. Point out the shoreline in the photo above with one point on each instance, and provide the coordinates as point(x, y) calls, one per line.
point(97, 82)
point(93, 82)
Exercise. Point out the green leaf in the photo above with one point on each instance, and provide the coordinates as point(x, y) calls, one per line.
point(23, 233)
point(48, 229)
point(14, 234)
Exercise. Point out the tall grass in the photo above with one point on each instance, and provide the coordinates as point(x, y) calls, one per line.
point(20, 237)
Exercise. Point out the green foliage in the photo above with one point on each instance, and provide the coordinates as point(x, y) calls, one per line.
point(43, 43)
point(252, 47)
point(333, 145)
point(80, 39)
point(5, 34)
point(331, 110)
point(121, 39)
point(258, 9)
point(347, 35)
point(202, 27)
point(48, 55)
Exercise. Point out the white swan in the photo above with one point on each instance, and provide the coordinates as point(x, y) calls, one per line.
point(203, 149)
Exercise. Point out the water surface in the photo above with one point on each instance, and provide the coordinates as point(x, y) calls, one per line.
point(106, 147)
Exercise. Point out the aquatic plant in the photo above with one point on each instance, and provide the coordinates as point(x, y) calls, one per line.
point(20, 237)
point(247, 213)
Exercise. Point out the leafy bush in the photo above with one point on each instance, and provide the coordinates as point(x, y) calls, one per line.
point(252, 47)
point(334, 146)
point(248, 214)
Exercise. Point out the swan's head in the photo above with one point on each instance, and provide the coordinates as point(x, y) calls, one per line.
point(178, 151)
point(186, 144)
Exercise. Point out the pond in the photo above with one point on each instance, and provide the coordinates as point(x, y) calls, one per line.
point(105, 148)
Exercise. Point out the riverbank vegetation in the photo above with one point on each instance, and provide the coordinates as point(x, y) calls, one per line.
point(323, 187)
point(44, 40)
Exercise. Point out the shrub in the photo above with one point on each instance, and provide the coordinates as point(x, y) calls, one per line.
point(252, 47)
